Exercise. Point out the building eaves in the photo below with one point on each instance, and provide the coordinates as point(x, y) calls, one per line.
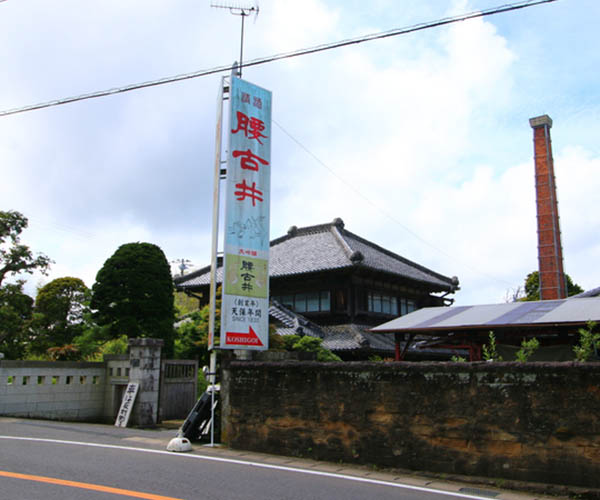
point(375, 257)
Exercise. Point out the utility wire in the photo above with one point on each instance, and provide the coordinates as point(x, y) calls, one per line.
point(278, 57)
point(385, 212)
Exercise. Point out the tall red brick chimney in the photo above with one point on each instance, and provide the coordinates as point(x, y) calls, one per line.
point(550, 258)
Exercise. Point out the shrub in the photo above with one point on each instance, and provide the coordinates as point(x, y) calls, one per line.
point(489, 350)
point(528, 347)
point(588, 342)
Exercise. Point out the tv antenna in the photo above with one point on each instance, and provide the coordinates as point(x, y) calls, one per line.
point(184, 264)
point(243, 11)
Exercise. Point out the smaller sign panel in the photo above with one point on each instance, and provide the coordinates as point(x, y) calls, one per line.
point(127, 404)
point(246, 276)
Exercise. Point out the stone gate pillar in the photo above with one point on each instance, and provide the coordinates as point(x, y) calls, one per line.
point(144, 359)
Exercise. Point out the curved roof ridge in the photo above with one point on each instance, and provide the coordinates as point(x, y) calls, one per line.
point(341, 240)
point(299, 231)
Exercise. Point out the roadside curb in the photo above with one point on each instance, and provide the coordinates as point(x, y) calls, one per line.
point(501, 489)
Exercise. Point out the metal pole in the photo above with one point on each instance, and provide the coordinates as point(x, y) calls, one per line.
point(213, 371)
point(214, 254)
point(242, 45)
point(215, 220)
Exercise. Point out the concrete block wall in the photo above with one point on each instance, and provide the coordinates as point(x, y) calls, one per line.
point(532, 421)
point(92, 391)
point(52, 390)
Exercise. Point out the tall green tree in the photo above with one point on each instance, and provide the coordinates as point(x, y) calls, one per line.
point(133, 294)
point(16, 309)
point(61, 309)
point(15, 305)
point(532, 286)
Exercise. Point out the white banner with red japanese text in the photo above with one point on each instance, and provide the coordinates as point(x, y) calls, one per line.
point(245, 300)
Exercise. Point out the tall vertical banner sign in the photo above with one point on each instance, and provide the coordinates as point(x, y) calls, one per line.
point(245, 300)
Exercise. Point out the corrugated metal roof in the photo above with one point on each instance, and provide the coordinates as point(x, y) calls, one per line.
point(539, 313)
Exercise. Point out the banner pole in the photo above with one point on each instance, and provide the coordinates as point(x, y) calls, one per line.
point(214, 256)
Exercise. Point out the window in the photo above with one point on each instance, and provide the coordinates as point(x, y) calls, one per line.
point(286, 301)
point(406, 306)
point(313, 302)
point(380, 303)
point(306, 301)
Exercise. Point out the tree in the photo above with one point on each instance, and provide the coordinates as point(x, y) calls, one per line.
point(15, 311)
point(15, 305)
point(532, 286)
point(133, 294)
point(192, 334)
point(185, 304)
point(16, 258)
point(60, 313)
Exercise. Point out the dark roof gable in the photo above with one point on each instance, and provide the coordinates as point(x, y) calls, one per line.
point(327, 247)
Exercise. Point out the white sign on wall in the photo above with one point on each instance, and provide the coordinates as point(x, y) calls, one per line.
point(127, 404)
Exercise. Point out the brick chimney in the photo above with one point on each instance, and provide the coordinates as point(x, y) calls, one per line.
point(550, 259)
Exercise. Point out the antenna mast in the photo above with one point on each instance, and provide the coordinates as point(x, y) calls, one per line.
point(243, 11)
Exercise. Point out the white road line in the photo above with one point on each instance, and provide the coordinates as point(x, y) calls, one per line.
point(254, 464)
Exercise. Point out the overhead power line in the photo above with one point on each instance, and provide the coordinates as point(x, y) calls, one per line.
point(278, 57)
point(387, 213)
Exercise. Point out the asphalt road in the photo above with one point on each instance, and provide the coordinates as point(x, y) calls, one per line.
point(55, 460)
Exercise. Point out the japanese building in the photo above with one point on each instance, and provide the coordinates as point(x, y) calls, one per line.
point(328, 282)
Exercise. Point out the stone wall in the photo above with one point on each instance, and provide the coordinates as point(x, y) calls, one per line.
point(534, 422)
point(144, 361)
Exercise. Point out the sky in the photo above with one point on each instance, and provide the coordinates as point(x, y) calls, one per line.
point(421, 143)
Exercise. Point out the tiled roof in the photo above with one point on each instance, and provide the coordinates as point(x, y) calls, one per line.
point(291, 323)
point(350, 337)
point(327, 247)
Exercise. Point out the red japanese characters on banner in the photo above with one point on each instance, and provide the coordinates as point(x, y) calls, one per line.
point(249, 161)
point(245, 191)
point(250, 126)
